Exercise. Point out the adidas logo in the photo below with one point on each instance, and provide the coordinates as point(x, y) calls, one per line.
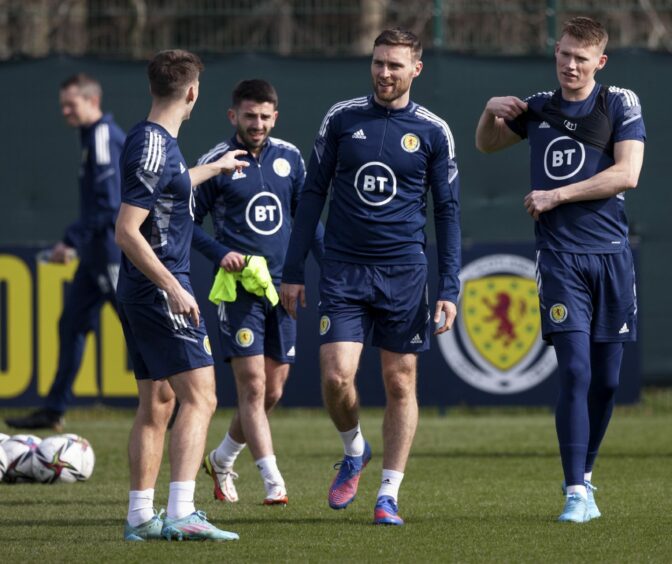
point(182, 169)
point(387, 481)
point(624, 329)
point(291, 352)
point(544, 125)
point(359, 134)
point(416, 340)
point(238, 175)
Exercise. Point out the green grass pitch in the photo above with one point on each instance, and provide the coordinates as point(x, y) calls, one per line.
point(481, 486)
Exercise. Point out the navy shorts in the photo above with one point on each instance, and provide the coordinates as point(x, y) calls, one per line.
point(161, 343)
point(251, 326)
point(592, 293)
point(391, 299)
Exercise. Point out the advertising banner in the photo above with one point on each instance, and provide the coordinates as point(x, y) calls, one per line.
point(493, 356)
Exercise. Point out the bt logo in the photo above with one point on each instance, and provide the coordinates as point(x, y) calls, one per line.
point(563, 158)
point(264, 213)
point(375, 183)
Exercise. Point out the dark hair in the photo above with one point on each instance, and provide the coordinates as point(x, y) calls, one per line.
point(586, 30)
point(256, 90)
point(87, 85)
point(398, 36)
point(171, 71)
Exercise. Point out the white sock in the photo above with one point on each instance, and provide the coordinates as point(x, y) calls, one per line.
point(181, 499)
point(588, 477)
point(353, 441)
point(268, 468)
point(578, 489)
point(390, 483)
point(140, 506)
point(227, 452)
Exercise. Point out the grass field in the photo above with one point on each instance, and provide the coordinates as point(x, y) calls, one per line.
point(481, 486)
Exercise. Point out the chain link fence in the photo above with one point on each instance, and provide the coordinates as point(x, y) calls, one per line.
point(134, 29)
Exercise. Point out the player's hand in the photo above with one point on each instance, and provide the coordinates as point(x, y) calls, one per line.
point(506, 107)
point(228, 162)
point(183, 305)
point(449, 309)
point(232, 262)
point(540, 201)
point(62, 253)
point(291, 295)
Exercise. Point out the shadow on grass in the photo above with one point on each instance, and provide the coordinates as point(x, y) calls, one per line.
point(52, 502)
point(511, 454)
point(64, 523)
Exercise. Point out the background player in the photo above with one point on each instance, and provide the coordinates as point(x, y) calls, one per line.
point(166, 339)
point(587, 147)
point(380, 155)
point(251, 214)
point(91, 238)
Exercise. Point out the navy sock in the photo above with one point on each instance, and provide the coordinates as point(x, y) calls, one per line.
point(605, 369)
point(571, 414)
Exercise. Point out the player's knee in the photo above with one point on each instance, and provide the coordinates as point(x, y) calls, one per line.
point(400, 388)
point(272, 398)
point(254, 391)
point(336, 381)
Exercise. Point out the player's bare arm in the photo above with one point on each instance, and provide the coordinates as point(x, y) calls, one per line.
point(621, 176)
point(137, 249)
point(226, 164)
point(291, 295)
point(492, 133)
point(232, 262)
point(449, 310)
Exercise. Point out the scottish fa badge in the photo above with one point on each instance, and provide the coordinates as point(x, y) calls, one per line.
point(496, 343)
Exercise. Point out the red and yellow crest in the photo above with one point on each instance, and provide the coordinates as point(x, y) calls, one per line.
point(244, 337)
point(501, 317)
point(410, 142)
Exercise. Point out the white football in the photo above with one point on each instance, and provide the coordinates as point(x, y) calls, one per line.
point(3, 463)
point(88, 456)
point(63, 458)
point(20, 450)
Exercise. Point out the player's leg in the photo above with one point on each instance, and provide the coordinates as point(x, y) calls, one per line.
point(79, 316)
point(345, 321)
point(571, 418)
point(145, 451)
point(566, 300)
point(606, 367)
point(218, 463)
point(145, 446)
point(195, 390)
point(402, 331)
point(399, 425)
point(615, 322)
point(251, 378)
point(339, 362)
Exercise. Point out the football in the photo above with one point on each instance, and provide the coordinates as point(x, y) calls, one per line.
point(88, 456)
point(63, 458)
point(20, 451)
point(3, 463)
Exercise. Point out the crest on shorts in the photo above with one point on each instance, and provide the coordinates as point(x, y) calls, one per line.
point(325, 324)
point(558, 313)
point(410, 142)
point(244, 337)
point(501, 316)
point(206, 345)
point(495, 344)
